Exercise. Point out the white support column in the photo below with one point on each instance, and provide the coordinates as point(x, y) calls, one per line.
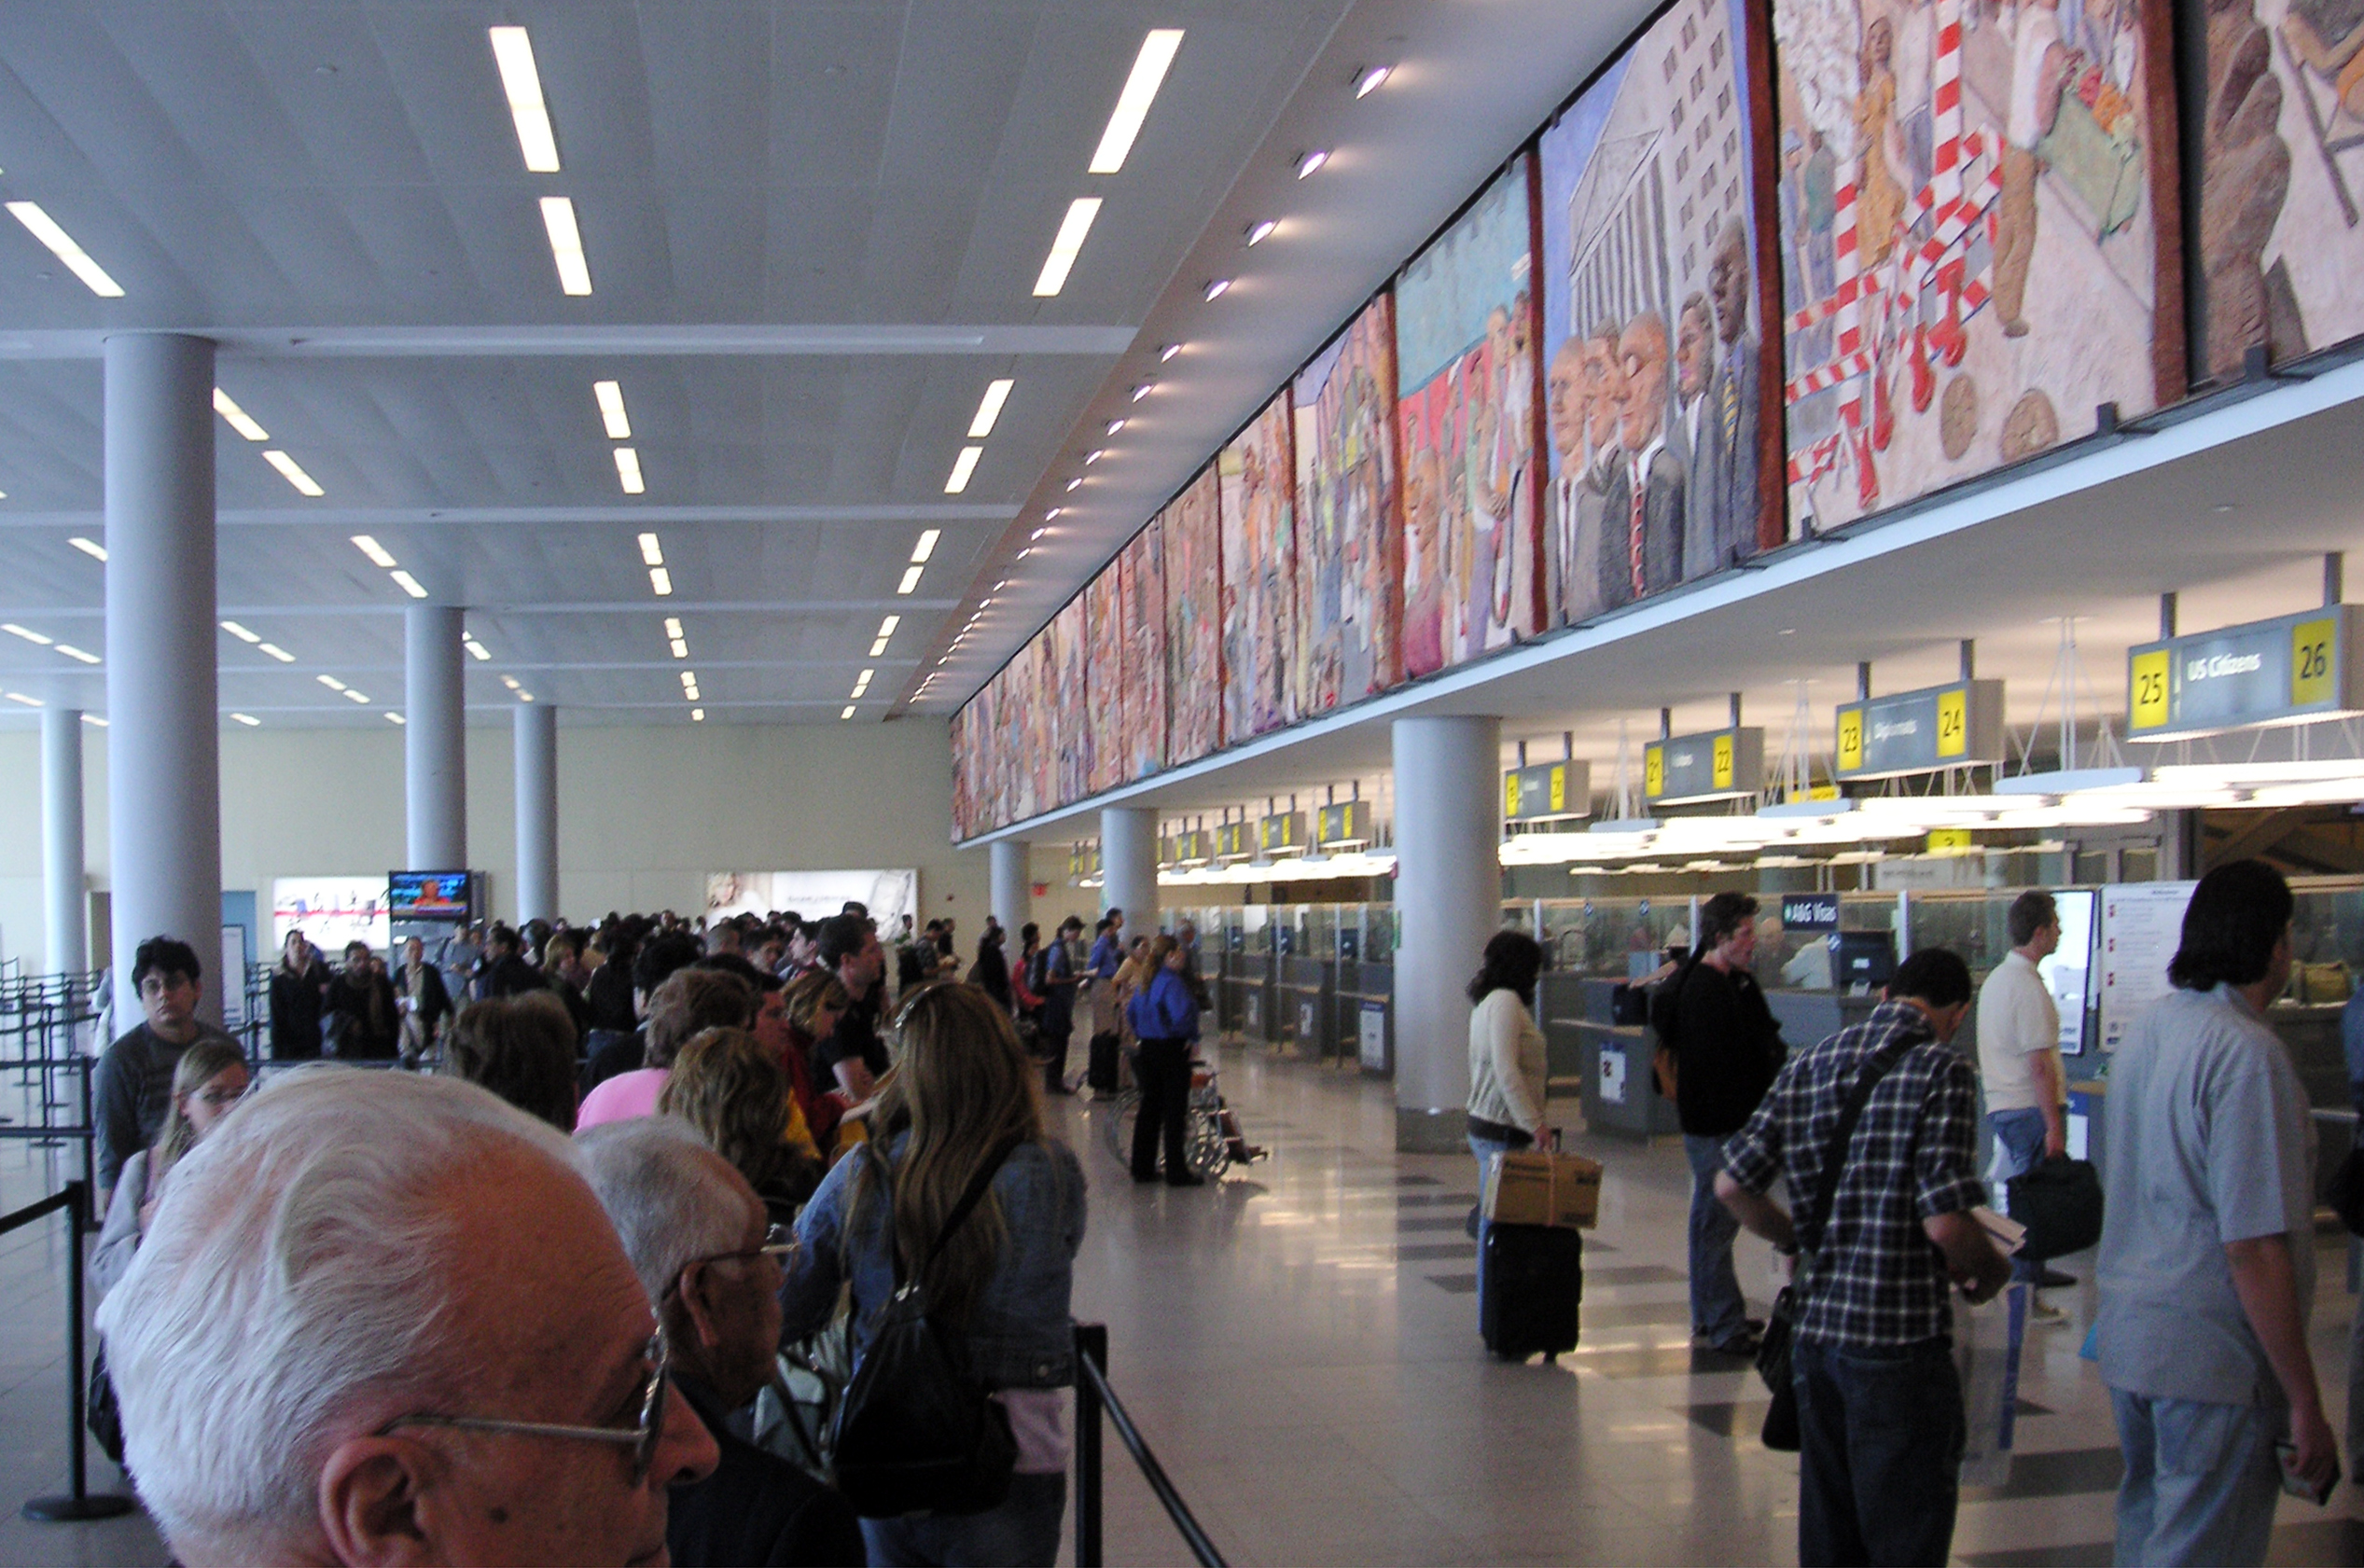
point(1448, 905)
point(434, 739)
point(164, 751)
point(1128, 867)
point(536, 812)
point(1012, 886)
point(63, 899)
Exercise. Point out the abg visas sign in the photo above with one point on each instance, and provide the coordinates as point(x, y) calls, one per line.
point(2290, 670)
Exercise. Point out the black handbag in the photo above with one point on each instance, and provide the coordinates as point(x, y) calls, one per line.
point(2346, 1191)
point(1781, 1433)
point(2059, 1201)
point(100, 1413)
point(917, 1431)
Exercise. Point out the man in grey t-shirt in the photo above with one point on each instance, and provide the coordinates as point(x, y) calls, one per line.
point(2207, 1252)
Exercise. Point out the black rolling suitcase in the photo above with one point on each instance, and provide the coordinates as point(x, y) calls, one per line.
point(1104, 1069)
point(1534, 1289)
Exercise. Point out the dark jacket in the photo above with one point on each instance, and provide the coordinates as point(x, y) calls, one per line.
point(295, 1010)
point(362, 1023)
point(610, 1052)
point(756, 1508)
point(434, 996)
point(609, 994)
point(1727, 1049)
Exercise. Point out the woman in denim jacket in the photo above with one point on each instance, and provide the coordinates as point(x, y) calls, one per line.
point(964, 1091)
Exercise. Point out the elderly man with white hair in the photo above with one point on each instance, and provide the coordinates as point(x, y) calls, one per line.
point(381, 1319)
point(710, 1259)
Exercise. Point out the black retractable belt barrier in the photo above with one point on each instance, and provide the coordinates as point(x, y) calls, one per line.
point(1093, 1398)
point(81, 1503)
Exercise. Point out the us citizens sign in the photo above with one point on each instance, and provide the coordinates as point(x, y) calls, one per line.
point(2290, 670)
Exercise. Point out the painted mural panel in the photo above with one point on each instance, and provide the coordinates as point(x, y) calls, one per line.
point(1656, 383)
point(1102, 716)
point(1141, 613)
point(1066, 690)
point(1191, 526)
point(1350, 546)
point(1979, 223)
point(1259, 551)
point(2281, 177)
point(1465, 359)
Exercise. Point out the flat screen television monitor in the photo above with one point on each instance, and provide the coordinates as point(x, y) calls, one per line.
point(427, 895)
point(1862, 958)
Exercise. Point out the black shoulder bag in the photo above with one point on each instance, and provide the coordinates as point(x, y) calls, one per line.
point(1772, 1351)
point(917, 1431)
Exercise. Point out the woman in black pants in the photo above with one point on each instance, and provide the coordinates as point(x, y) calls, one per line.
point(1165, 1016)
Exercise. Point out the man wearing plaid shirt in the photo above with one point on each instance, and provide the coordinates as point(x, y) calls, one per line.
point(1879, 1403)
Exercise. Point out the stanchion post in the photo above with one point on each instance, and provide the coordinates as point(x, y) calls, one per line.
point(1091, 1344)
point(78, 1504)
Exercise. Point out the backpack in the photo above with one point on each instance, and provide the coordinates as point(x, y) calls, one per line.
point(1038, 972)
point(1664, 1010)
point(917, 1431)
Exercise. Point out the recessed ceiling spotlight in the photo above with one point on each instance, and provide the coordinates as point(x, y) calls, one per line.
point(1053, 515)
point(1094, 455)
point(962, 466)
point(91, 548)
point(1371, 80)
point(1066, 244)
point(1075, 484)
point(1115, 425)
point(45, 228)
point(239, 420)
point(1027, 552)
point(566, 244)
point(1168, 351)
point(610, 397)
point(1144, 390)
point(293, 472)
point(1217, 287)
point(378, 554)
point(989, 408)
point(513, 52)
point(1259, 232)
point(1132, 104)
point(1312, 161)
point(1038, 533)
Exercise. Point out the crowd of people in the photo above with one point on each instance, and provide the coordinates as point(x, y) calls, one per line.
point(520, 1295)
point(2206, 1259)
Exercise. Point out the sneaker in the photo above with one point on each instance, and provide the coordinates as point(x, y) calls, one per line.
point(2045, 1312)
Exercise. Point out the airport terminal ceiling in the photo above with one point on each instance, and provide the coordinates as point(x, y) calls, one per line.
point(814, 239)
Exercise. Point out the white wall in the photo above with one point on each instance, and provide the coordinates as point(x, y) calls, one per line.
point(644, 814)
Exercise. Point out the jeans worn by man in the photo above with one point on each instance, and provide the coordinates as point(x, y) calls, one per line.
point(1880, 1410)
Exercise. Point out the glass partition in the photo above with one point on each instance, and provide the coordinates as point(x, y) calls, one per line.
point(2327, 939)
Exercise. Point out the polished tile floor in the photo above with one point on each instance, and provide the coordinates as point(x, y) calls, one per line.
point(1299, 1344)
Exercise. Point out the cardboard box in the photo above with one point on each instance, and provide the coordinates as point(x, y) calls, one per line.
point(1530, 1187)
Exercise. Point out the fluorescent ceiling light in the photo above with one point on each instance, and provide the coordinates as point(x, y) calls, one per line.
point(330, 682)
point(672, 626)
point(510, 682)
point(688, 692)
point(249, 720)
point(566, 244)
point(396, 719)
point(1133, 103)
point(1217, 287)
point(239, 420)
point(1259, 233)
point(410, 585)
point(91, 548)
point(476, 650)
point(13, 630)
point(963, 465)
point(927, 545)
point(1063, 247)
point(352, 696)
point(989, 408)
point(1368, 82)
point(77, 653)
point(878, 648)
point(28, 702)
point(78, 260)
point(696, 715)
point(376, 552)
point(1312, 161)
point(681, 647)
point(659, 581)
point(628, 471)
point(239, 632)
point(277, 652)
point(690, 677)
point(652, 553)
point(849, 712)
point(293, 472)
point(911, 580)
point(94, 719)
point(513, 52)
point(886, 627)
point(611, 410)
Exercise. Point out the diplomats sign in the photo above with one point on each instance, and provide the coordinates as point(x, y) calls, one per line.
point(1949, 725)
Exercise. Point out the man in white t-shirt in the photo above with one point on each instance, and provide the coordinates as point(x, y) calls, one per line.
point(2019, 1060)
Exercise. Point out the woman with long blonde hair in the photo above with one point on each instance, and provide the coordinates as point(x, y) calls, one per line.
point(962, 1105)
point(209, 1079)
